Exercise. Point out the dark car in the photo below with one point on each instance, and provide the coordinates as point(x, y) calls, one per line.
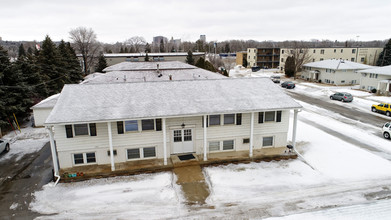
point(342, 96)
point(288, 85)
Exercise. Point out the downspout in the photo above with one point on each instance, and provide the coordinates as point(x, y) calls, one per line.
point(164, 141)
point(111, 146)
point(294, 139)
point(205, 138)
point(54, 154)
point(251, 135)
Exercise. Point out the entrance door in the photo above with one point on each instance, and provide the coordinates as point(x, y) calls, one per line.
point(182, 141)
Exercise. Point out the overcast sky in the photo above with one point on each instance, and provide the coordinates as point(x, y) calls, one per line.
point(219, 20)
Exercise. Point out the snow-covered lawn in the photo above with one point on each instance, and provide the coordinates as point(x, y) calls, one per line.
point(147, 196)
point(29, 140)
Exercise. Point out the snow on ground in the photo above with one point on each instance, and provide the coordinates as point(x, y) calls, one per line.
point(239, 71)
point(29, 140)
point(146, 196)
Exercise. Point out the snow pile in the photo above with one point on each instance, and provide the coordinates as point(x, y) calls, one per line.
point(147, 196)
point(29, 140)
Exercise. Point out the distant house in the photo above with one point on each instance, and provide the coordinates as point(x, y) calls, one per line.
point(131, 72)
point(114, 58)
point(335, 72)
point(378, 78)
point(113, 124)
point(152, 71)
point(42, 110)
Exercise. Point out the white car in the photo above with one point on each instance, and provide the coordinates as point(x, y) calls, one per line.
point(4, 146)
point(387, 130)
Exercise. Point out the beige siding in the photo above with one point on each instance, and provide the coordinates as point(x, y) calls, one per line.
point(121, 142)
point(40, 115)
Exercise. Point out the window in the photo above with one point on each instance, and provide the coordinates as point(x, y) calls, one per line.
point(282, 51)
point(84, 158)
point(214, 145)
point(321, 51)
point(353, 50)
point(114, 152)
point(269, 116)
point(321, 59)
point(335, 50)
point(81, 129)
point(78, 158)
point(352, 59)
point(133, 153)
point(148, 124)
point(342, 81)
point(341, 50)
point(282, 59)
point(228, 145)
point(131, 125)
point(314, 51)
point(229, 119)
point(90, 157)
point(362, 59)
point(214, 120)
point(313, 60)
point(149, 152)
point(177, 135)
point(267, 141)
point(221, 145)
point(246, 140)
point(187, 135)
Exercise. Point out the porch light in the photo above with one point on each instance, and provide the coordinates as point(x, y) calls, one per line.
point(183, 125)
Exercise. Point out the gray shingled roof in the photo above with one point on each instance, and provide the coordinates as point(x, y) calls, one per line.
point(136, 66)
point(384, 70)
point(121, 101)
point(49, 102)
point(152, 75)
point(335, 64)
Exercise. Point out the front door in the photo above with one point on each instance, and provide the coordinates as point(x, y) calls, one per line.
point(182, 141)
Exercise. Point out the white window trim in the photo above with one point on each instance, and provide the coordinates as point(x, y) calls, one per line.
point(221, 145)
point(275, 116)
point(223, 122)
point(138, 126)
point(88, 128)
point(141, 150)
point(141, 125)
point(84, 158)
point(269, 146)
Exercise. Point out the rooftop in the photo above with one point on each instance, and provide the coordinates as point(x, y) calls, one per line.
point(150, 54)
point(335, 64)
point(49, 102)
point(135, 66)
point(80, 103)
point(384, 70)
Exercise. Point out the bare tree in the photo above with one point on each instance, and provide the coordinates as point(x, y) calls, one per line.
point(301, 55)
point(85, 43)
point(137, 43)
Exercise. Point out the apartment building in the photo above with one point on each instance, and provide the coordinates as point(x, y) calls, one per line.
point(266, 58)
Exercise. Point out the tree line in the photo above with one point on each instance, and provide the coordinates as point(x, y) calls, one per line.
point(34, 75)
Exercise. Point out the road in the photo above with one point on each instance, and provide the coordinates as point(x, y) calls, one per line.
point(23, 177)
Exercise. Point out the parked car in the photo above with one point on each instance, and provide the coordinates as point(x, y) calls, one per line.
point(387, 130)
point(342, 96)
point(255, 68)
point(284, 84)
point(384, 108)
point(288, 85)
point(4, 146)
point(275, 79)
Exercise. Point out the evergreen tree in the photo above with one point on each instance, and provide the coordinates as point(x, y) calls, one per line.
point(146, 57)
point(385, 55)
point(28, 66)
point(189, 58)
point(200, 63)
point(225, 73)
point(147, 48)
point(101, 65)
point(75, 71)
point(5, 65)
point(126, 50)
point(30, 51)
point(121, 50)
point(48, 63)
point(21, 52)
point(209, 66)
point(290, 66)
point(161, 46)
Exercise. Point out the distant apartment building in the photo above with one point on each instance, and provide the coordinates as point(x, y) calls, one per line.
point(276, 57)
point(203, 37)
point(158, 39)
point(267, 58)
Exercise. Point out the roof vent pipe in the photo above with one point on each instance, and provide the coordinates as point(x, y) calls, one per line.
point(124, 78)
point(157, 70)
point(170, 76)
